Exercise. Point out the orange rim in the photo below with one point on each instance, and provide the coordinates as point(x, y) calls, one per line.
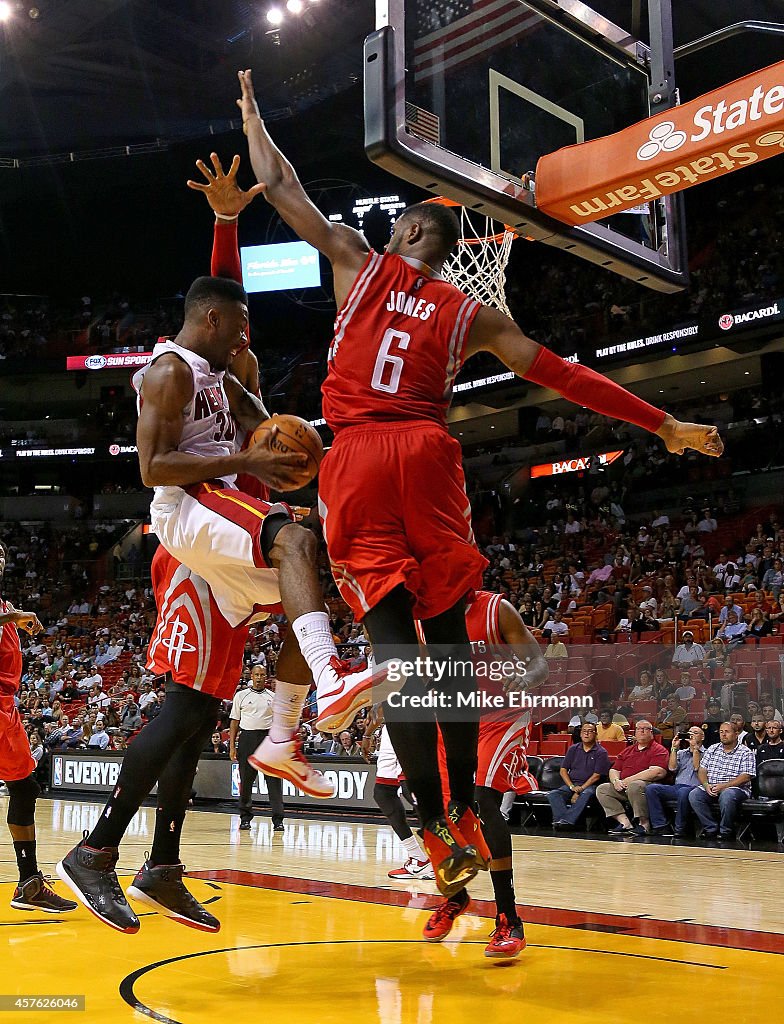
point(498, 238)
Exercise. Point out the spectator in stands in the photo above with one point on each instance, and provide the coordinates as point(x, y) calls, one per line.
point(100, 737)
point(146, 695)
point(771, 713)
point(738, 723)
point(756, 734)
point(685, 757)
point(734, 630)
point(643, 762)
point(644, 688)
point(670, 718)
point(607, 730)
point(686, 691)
point(778, 612)
point(556, 648)
point(556, 626)
point(707, 524)
point(773, 747)
point(98, 699)
point(74, 737)
point(729, 606)
point(688, 653)
point(759, 625)
point(346, 745)
point(131, 717)
point(217, 745)
point(585, 764)
point(773, 578)
point(725, 774)
point(662, 686)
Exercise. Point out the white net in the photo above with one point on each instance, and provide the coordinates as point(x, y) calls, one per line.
point(478, 266)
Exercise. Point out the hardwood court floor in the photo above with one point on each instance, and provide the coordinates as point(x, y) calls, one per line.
point(313, 926)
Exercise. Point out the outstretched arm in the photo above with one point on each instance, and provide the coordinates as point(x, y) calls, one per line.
point(493, 332)
point(344, 247)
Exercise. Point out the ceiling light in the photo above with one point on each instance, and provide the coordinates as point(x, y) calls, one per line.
point(703, 382)
point(747, 373)
point(275, 16)
point(295, 6)
point(6, 10)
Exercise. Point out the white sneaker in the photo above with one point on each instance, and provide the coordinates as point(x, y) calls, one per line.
point(414, 868)
point(286, 761)
point(342, 692)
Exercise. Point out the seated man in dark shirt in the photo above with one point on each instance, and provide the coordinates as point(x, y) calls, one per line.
point(772, 749)
point(584, 766)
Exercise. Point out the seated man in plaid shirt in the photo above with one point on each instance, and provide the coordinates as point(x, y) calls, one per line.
point(725, 774)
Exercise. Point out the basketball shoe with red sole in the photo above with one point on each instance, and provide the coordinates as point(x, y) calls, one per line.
point(342, 692)
point(469, 826)
point(414, 868)
point(286, 761)
point(508, 939)
point(454, 861)
point(440, 922)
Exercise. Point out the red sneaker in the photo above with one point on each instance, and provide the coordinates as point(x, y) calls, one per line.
point(454, 862)
point(440, 922)
point(342, 691)
point(508, 939)
point(470, 827)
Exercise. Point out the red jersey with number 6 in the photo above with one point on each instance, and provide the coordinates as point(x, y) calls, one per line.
point(398, 345)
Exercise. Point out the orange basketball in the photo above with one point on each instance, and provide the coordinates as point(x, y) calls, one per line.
point(294, 435)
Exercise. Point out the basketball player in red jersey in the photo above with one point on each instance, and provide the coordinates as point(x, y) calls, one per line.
point(392, 498)
point(17, 765)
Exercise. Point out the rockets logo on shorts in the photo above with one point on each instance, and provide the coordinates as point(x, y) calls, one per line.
point(175, 643)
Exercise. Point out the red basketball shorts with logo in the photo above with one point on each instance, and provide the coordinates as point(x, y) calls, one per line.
point(192, 640)
point(394, 510)
point(16, 762)
point(501, 761)
point(216, 531)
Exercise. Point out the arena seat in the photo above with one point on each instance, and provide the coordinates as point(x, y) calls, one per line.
point(769, 805)
point(548, 779)
point(554, 748)
point(614, 747)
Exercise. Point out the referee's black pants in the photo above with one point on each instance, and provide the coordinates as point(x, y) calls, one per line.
point(248, 741)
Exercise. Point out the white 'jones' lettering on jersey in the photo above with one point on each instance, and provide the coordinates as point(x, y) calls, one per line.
point(410, 305)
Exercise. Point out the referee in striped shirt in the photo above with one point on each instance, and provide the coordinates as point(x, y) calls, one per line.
point(251, 716)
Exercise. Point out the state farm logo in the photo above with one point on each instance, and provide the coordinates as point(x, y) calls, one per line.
point(95, 362)
point(726, 321)
point(662, 138)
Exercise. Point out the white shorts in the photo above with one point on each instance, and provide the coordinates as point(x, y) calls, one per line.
point(216, 532)
point(388, 771)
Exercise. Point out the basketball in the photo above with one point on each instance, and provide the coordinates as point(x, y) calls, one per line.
point(294, 435)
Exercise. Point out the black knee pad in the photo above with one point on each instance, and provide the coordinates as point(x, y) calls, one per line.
point(279, 515)
point(21, 801)
point(494, 827)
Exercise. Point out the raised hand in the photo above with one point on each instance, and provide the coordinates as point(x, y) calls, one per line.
point(221, 189)
point(247, 103)
point(28, 621)
point(700, 437)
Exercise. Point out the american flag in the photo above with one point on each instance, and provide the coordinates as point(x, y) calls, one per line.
point(458, 31)
point(423, 124)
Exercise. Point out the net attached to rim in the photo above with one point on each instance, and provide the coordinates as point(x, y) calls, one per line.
point(478, 265)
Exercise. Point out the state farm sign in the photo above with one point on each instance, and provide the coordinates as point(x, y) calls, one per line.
point(734, 126)
point(575, 465)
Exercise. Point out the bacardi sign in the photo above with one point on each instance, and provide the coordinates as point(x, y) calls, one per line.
point(575, 465)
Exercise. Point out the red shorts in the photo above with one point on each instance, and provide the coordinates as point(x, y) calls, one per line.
point(192, 641)
point(502, 764)
point(394, 510)
point(16, 762)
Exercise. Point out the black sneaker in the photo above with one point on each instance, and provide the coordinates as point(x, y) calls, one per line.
point(162, 888)
point(244, 826)
point(278, 827)
point(666, 831)
point(36, 894)
point(620, 830)
point(90, 875)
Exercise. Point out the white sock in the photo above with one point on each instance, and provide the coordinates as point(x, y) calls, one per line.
point(315, 641)
point(413, 849)
point(286, 709)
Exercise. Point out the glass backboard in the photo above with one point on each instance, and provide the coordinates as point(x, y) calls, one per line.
point(462, 97)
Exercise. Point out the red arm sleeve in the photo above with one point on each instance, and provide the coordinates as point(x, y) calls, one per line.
point(226, 251)
point(586, 387)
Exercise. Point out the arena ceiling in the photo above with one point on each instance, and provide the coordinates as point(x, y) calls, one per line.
point(85, 74)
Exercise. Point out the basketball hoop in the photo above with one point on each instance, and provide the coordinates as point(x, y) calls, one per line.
point(478, 266)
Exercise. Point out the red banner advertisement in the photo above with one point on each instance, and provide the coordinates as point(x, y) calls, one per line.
point(574, 465)
point(731, 127)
